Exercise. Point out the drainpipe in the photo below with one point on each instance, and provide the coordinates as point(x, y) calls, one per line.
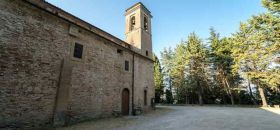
point(133, 110)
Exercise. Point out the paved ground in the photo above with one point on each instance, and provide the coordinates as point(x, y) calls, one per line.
point(191, 118)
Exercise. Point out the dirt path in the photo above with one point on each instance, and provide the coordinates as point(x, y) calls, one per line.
point(190, 118)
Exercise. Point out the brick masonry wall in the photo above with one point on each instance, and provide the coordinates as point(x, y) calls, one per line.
point(33, 45)
point(98, 81)
point(144, 80)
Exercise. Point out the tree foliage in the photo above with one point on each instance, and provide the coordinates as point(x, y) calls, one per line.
point(238, 69)
point(222, 62)
point(167, 62)
point(158, 78)
point(255, 46)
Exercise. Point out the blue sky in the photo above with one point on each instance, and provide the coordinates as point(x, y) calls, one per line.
point(172, 20)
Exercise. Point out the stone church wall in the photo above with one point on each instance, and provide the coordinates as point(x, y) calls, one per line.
point(32, 44)
point(35, 46)
point(143, 83)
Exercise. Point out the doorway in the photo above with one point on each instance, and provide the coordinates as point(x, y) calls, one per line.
point(125, 102)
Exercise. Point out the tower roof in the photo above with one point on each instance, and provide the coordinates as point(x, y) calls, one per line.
point(141, 5)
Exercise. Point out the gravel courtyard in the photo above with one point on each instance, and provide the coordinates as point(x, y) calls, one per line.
point(191, 118)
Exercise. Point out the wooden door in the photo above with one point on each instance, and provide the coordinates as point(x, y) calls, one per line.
point(125, 102)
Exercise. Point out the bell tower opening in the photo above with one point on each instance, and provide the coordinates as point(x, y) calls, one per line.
point(132, 23)
point(138, 28)
point(145, 23)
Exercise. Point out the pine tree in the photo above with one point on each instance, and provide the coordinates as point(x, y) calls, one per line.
point(222, 61)
point(167, 62)
point(178, 70)
point(196, 60)
point(158, 77)
point(255, 45)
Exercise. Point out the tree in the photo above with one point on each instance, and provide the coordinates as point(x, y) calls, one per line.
point(198, 73)
point(196, 60)
point(272, 5)
point(222, 61)
point(167, 61)
point(158, 77)
point(255, 45)
point(178, 71)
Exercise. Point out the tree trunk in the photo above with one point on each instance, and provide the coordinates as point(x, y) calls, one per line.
point(239, 99)
point(171, 94)
point(251, 94)
point(232, 99)
point(200, 99)
point(224, 99)
point(187, 99)
point(262, 94)
point(230, 93)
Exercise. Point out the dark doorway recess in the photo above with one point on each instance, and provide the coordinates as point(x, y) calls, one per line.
point(125, 102)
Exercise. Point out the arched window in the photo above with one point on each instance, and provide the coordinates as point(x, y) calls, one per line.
point(145, 23)
point(132, 23)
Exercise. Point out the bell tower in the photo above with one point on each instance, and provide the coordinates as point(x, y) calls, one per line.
point(138, 28)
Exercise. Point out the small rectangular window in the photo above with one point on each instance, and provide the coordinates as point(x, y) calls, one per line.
point(147, 53)
point(126, 65)
point(78, 50)
point(119, 51)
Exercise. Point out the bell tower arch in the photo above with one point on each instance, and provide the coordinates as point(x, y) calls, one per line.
point(138, 29)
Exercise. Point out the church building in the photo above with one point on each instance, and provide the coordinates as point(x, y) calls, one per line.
point(56, 69)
